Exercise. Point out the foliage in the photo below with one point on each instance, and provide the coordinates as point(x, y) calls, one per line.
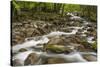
point(89, 11)
point(94, 46)
point(72, 7)
point(57, 8)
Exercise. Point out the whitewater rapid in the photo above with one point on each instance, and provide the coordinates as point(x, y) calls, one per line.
point(21, 56)
point(34, 41)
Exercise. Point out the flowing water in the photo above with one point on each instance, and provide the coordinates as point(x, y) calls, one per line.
point(32, 46)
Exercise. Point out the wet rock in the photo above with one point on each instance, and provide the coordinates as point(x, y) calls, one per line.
point(74, 39)
point(16, 62)
point(83, 49)
point(65, 30)
point(22, 50)
point(85, 43)
point(31, 59)
point(24, 22)
point(26, 25)
point(94, 33)
point(41, 30)
point(78, 33)
point(76, 24)
point(17, 24)
point(80, 30)
point(90, 57)
point(54, 60)
point(35, 32)
point(80, 48)
point(29, 32)
point(90, 25)
point(91, 29)
point(58, 48)
point(57, 40)
point(18, 39)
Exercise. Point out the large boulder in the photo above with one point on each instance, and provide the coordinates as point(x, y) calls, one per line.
point(60, 44)
point(31, 59)
point(58, 40)
point(58, 48)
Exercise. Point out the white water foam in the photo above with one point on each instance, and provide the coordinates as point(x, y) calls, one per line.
point(75, 57)
point(89, 39)
point(31, 43)
point(22, 56)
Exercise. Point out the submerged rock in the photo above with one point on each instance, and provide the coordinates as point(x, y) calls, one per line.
point(90, 57)
point(53, 60)
point(22, 50)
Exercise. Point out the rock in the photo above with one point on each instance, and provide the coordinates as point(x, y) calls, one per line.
point(17, 39)
point(57, 40)
point(85, 44)
point(88, 33)
point(17, 24)
point(91, 29)
point(58, 48)
point(78, 33)
point(31, 59)
point(36, 33)
point(80, 48)
point(22, 50)
point(26, 25)
point(29, 32)
point(16, 62)
point(83, 49)
point(79, 39)
point(90, 25)
point(41, 30)
point(80, 30)
point(90, 57)
point(73, 39)
point(54, 60)
point(66, 30)
point(76, 24)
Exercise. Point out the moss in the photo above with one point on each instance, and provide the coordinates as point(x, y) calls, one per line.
point(94, 46)
point(55, 48)
point(84, 42)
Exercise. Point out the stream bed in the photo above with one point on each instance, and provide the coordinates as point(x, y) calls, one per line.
point(52, 43)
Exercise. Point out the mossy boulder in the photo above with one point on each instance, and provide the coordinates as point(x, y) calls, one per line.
point(57, 48)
